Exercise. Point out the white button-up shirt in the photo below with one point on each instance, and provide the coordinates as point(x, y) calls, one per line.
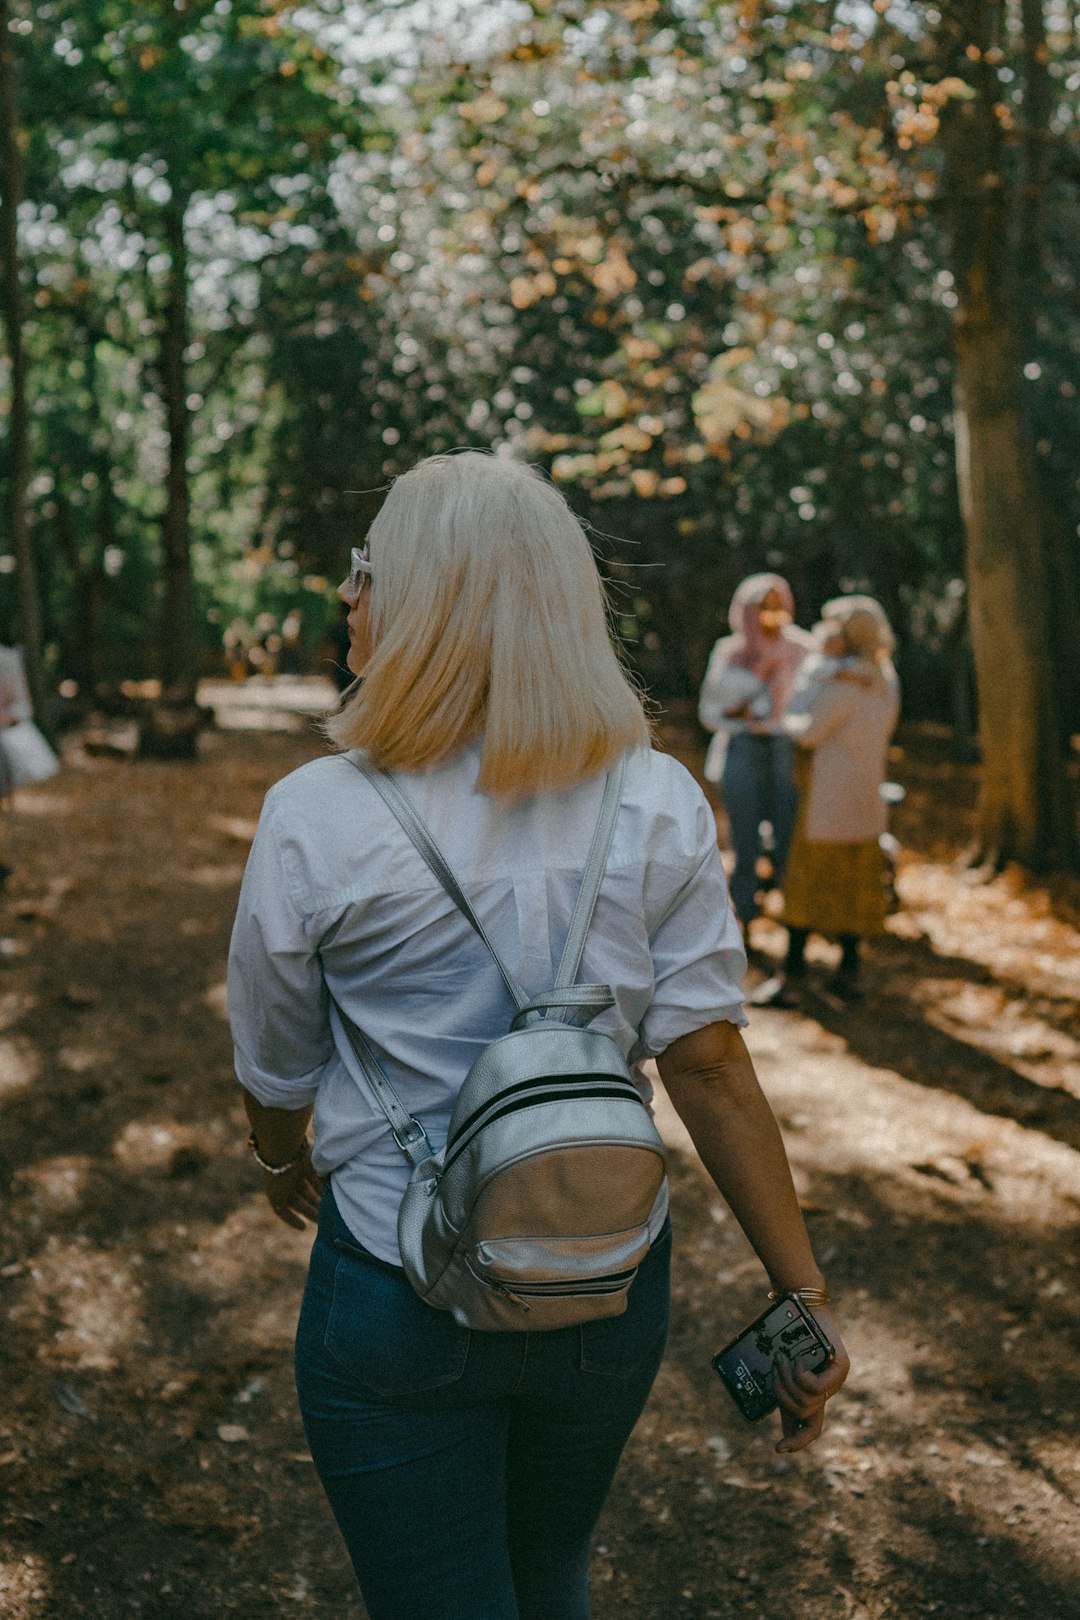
point(338, 909)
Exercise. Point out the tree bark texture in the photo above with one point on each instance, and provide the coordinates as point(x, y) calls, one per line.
point(11, 177)
point(179, 649)
point(1026, 812)
point(1036, 179)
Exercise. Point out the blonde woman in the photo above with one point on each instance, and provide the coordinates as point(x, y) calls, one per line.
point(836, 880)
point(466, 1470)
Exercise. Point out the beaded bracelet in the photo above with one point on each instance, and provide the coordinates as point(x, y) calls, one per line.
point(276, 1169)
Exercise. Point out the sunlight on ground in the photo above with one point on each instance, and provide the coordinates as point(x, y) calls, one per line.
point(986, 1017)
point(987, 1479)
point(81, 1059)
point(20, 1065)
point(55, 1186)
point(966, 920)
point(24, 1581)
point(155, 1144)
point(257, 1298)
point(95, 1297)
point(28, 803)
point(14, 1005)
point(839, 1113)
point(850, 1118)
point(906, 1419)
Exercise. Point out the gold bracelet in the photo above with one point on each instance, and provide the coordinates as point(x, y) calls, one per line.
point(810, 1295)
point(276, 1169)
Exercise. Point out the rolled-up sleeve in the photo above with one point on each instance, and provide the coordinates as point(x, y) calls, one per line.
point(698, 957)
point(278, 1002)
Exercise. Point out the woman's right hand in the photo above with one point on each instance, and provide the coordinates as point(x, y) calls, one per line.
point(802, 1394)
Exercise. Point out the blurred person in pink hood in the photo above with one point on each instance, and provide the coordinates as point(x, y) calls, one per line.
point(743, 698)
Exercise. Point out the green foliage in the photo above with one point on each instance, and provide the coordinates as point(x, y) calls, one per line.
point(231, 112)
point(688, 256)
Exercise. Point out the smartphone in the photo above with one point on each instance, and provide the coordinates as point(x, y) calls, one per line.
point(789, 1329)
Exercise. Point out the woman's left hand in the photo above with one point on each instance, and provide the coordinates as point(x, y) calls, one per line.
point(295, 1196)
point(802, 1394)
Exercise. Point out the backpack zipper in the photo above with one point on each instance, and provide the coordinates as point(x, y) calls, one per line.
point(536, 1084)
point(613, 1283)
point(556, 1091)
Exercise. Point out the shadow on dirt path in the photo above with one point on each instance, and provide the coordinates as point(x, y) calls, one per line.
point(896, 1028)
point(151, 1459)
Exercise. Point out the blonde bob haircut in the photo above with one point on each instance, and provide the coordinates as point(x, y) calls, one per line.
point(488, 621)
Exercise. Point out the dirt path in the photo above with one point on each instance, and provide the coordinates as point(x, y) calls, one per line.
point(151, 1459)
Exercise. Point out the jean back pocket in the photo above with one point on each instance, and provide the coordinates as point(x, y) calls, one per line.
point(383, 1335)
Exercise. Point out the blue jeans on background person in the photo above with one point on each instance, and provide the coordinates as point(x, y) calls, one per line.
point(757, 785)
point(466, 1470)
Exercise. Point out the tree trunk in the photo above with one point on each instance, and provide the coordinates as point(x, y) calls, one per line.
point(179, 655)
point(1036, 179)
point(1025, 810)
point(961, 691)
point(83, 640)
point(11, 177)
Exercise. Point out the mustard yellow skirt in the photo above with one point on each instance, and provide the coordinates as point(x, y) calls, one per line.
point(835, 889)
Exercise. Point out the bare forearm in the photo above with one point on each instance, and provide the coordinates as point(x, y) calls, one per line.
point(710, 1079)
point(711, 1082)
point(279, 1132)
point(293, 1189)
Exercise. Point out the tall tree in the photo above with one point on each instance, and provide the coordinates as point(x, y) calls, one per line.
point(192, 116)
point(1026, 811)
point(179, 656)
point(11, 179)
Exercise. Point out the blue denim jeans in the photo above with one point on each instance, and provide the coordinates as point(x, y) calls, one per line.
point(758, 785)
point(466, 1470)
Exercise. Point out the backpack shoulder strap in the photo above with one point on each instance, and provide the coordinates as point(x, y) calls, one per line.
point(403, 811)
point(583, 997)
point(409, 1134)
point(592, 877)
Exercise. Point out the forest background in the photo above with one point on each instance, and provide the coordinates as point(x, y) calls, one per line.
point(776, 284)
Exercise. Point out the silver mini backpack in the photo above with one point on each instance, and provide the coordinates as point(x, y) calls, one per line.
point(535, 1213)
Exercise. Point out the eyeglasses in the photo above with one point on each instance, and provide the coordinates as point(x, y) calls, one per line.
point(359, 571)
